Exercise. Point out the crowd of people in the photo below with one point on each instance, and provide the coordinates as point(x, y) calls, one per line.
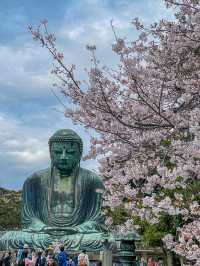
point(26, 257)
point(149, 262)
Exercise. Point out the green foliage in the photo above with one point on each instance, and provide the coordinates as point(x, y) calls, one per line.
point(119, 216)
point(152, 234)
point(169, 164)
point(166, 142)
point(10, 209)
point(190, 192)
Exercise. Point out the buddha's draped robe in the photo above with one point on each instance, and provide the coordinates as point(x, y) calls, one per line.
point(38, 210)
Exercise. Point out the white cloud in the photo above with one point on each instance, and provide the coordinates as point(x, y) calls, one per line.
point(89, 21)
point(21, 142)
point(25, 69)
point(73, 34)
point(29, 156)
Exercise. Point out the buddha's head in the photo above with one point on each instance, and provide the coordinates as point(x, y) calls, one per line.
point(65, 150)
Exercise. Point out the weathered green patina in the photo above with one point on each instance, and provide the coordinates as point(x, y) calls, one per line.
point(62, 202)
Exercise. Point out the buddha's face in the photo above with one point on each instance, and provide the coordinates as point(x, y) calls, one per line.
point(65, 156)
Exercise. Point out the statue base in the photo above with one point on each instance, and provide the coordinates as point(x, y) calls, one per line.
point(124, 258)
point(125, 250)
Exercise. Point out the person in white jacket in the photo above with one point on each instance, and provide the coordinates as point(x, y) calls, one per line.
point(83, 259)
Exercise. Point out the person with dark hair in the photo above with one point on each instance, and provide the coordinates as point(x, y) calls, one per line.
point(75, 259)
point(83, 259)
point(142, 262)
point(20, 260)
point(71, 262)
point(28, 261)
point(2, 259)
point(19, 254)
point(41, 259)
point(159, 262)
point(150, 262)
point(7, 259)
point(51, 261)
point(46, 253)
point(62, 257)
point(26, 248)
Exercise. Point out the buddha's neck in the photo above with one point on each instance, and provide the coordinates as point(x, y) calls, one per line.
point(66, 182)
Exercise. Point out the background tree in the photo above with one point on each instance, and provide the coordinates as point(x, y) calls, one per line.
point(146, 114)
point(10, 209)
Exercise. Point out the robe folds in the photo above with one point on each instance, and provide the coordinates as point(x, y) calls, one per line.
point(82, 228)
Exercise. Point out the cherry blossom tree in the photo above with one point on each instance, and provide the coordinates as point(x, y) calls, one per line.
point(147, 116)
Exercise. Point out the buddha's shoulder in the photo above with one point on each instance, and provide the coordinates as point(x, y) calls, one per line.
point(90, 175)
point(38, 176)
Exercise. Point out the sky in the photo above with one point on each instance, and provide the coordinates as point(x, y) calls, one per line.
point(29, 111)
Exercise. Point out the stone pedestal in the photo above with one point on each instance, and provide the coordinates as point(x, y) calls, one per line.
point(125, 259)
point(125, 253)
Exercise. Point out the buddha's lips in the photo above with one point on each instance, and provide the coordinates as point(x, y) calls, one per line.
point(66, 161)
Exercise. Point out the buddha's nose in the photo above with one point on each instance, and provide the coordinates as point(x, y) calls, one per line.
point(63, 156)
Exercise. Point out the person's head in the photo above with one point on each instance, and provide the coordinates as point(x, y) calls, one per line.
point(21, 246)
point(84, 251)
point(150, 259)
point(26, 253)
point(142, 259)
point(62, 248)
point(65, 150)
point(39, 253)
point(26, 248)
point(50, 261)
point(43, 253)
